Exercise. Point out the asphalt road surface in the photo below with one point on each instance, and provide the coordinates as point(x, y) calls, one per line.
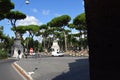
point(7, 72)
point(57, 68)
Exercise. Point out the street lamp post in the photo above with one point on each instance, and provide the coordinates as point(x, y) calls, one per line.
point(27, 2)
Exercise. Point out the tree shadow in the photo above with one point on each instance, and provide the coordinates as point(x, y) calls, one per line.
point(79, 70)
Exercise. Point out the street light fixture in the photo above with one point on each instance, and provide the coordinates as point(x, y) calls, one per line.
point(27, 2)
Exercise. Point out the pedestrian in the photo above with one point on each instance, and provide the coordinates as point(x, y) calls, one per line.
point(19, 52)
point(26, 54)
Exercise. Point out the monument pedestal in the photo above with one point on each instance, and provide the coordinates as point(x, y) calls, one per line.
point(17, 46)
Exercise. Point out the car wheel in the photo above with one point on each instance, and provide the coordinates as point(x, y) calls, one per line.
point(52, 55)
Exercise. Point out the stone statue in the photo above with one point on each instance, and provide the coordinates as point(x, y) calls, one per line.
point(17, 35)
point(55, 46)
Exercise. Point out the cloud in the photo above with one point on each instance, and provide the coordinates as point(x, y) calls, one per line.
point(39, 38)
point(56, 15)
point(34, 10)
point(83, 5)
point(29, 20)
point(74, 31)
point(82, 2)
point(46, 12)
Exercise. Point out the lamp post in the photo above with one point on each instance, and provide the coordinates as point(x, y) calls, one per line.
point(27, 2)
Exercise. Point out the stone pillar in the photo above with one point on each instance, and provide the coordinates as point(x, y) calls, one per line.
point(103, 38)
point(17, 46)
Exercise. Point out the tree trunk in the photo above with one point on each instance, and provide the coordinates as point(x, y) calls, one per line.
point(65, 41)
point(44, 42)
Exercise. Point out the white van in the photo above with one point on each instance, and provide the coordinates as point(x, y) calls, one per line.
point(57, 53)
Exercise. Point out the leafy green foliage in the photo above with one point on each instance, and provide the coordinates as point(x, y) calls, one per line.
point(6, 6)
point(3, 54)
point(20, 29)
point(59, 21)
point(79, 20)
point(79, 23)
point(16, 15)
point(2, 16)
point(43, 26)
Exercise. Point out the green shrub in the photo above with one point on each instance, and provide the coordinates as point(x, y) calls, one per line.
point(3, 54)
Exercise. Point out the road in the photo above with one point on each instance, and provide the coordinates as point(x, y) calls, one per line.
point(7, 72)
point(57, 68)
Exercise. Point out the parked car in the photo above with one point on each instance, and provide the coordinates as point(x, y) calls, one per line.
point(56, 53)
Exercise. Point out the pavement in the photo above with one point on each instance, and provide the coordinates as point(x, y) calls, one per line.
point(8, 72)
point(54, 68)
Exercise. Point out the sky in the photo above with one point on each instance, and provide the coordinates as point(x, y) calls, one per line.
point(42, 11)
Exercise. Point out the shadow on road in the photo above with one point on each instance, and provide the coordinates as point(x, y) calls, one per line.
point(79, 70)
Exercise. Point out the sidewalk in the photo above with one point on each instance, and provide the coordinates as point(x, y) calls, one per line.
point(53, 68)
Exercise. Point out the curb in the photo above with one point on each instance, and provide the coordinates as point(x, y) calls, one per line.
point(22, 71)
point(6, 59)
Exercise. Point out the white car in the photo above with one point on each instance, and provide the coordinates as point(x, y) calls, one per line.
point(56, 53)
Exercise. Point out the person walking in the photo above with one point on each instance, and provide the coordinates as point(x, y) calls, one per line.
point(19, 52)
